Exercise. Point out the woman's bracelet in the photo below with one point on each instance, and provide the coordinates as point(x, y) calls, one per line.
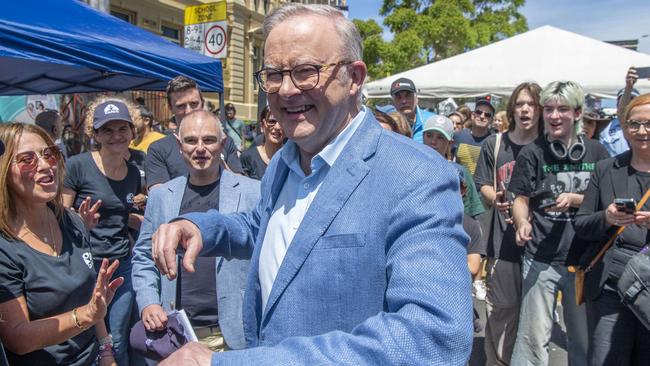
point(106, 350)
point(76, 320)
point(106, 340)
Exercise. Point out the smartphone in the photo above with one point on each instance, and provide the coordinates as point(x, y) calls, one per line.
point(504, 199)
point(643, 72)
point(627, 205)
point(546, 203)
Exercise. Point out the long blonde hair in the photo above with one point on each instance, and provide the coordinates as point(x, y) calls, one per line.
point(10, 135)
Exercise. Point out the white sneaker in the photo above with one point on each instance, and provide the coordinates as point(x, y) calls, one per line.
point(478, 290)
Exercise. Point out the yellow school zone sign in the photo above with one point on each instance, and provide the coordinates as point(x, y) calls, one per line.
point(206, 29)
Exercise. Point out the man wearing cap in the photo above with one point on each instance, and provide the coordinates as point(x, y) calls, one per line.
point(612, 136)
point(405, 100)
point(211, 295)
point(50, 121)
point(438, 133)
point(164, 161)
point(469, 140)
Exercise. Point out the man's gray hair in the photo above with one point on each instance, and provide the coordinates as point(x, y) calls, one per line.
point(350, 37)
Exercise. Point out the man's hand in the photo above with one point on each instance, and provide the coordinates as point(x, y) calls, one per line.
point(562, 203)
point(631, 77)
point(166, 240)
point(154, 317)
point(191, 354)
point(503, 207)
point(522, 235)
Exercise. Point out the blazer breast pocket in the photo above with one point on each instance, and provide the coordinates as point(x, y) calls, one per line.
point(341, 241)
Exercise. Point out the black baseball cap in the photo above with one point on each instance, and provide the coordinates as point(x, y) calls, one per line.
point(111, 110)
point(402, 84)
point(485, 101)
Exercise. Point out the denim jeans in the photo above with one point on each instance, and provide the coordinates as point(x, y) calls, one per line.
point(541, 283)
point(118, 317)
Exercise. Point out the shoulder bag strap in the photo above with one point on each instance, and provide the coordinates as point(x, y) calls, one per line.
point(618, 232)
point(497, 145)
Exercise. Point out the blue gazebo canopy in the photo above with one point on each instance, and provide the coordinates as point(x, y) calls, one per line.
point(64, 46)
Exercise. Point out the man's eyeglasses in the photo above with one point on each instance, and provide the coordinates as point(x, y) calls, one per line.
point(304, 77)
point(479, 113)
point(635, 126)
point(28, 160)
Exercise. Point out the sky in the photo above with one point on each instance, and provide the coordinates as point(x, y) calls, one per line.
point(599, 19)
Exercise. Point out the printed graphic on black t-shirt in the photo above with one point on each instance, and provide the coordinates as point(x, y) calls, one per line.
point(500, 241)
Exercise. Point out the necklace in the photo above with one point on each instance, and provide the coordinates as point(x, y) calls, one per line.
point(45, 238)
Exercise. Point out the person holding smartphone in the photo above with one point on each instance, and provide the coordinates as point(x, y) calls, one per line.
point(560, 162)
point(494, 168)
point(617, 184)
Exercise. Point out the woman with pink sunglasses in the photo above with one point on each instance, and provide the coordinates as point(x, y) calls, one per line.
point(52, 301)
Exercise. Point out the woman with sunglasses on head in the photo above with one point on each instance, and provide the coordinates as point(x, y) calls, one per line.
point(615, 334)
point(101, 186)
point(52, 301)
point(256, 158)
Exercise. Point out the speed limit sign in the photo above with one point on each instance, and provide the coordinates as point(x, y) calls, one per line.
point(215, 40)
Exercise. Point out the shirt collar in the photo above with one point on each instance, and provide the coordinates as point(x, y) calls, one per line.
point(329, 154)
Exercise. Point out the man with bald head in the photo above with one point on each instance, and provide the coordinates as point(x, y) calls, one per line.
point(357, 247)
point(211, 294)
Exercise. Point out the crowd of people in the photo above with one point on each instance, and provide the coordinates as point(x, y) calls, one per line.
point(343, 235)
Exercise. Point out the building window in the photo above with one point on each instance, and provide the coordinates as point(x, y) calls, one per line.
point(257, 63)
point(126, 15)
point(171, 32)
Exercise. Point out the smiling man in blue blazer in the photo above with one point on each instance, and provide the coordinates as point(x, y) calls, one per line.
point(357, 247)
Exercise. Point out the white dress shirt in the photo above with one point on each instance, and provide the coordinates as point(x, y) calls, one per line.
point(294, 200)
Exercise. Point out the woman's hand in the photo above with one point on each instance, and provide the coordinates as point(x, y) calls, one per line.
point(140, 201)
point(89, 213)
point(614, 217)
point(154, 318)
point(107, 361)
point(642, 218)
point(103, 293)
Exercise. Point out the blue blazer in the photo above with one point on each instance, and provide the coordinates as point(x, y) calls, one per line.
point(377, 271)
point(236, 193)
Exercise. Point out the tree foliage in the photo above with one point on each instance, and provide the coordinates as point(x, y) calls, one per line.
point(431, 30)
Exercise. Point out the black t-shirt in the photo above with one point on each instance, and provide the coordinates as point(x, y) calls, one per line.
point(198, 290)
point(473, 229)
point(501, 238)
point(467, 148)
point(137, 158)
point(109, 239)
point(51, 286)
point(537, 175)
point(252, 163)
point(164, 161)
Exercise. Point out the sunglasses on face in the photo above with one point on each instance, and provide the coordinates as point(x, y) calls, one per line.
point(28, 160)
point(482, 113)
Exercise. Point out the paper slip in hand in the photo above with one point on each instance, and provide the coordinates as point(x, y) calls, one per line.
point(188, 331)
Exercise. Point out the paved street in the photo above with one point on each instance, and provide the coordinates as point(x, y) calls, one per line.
point(558, 356)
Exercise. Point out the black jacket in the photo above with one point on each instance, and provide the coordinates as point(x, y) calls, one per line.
point(608, 181)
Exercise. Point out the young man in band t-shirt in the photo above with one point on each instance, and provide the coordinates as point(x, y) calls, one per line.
point(549, 179)
point(503, 268)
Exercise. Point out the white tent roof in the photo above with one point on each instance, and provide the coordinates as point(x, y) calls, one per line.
point(542, 55)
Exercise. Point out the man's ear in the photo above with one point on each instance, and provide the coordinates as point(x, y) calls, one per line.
point(578, 113)
point(358, 72)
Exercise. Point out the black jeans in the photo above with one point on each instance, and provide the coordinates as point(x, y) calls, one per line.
point(616, 336)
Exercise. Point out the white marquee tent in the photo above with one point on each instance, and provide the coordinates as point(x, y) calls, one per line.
point(542, 55)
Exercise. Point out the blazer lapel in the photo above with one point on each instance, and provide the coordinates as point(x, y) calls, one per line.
point(620, 175)
point(342, 180)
